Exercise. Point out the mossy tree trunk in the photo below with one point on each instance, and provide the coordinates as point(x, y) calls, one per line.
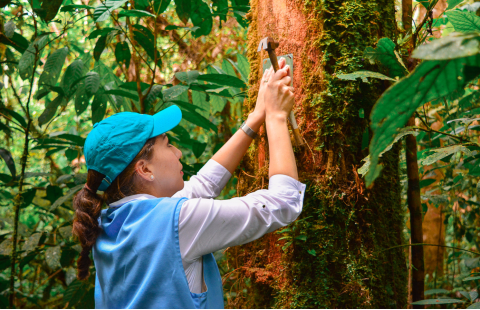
point(337, 258)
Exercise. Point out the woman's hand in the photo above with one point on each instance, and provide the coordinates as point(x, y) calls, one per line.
point(259, 110)
point(278, 97)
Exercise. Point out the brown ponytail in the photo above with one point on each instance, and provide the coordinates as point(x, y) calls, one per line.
point(88, 205)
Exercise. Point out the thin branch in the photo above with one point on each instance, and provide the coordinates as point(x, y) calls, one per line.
point(430, 244)
point(18, 197)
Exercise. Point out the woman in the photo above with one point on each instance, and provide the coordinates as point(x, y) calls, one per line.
point(153, 245)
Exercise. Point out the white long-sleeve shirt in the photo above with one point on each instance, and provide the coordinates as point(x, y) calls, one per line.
point(207, 225)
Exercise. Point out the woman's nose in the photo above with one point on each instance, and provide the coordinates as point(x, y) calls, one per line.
point(179, 153)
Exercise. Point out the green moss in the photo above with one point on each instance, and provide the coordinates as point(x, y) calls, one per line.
point(342, 262)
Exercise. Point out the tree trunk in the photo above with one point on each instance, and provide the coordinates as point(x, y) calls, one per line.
point(339, 256)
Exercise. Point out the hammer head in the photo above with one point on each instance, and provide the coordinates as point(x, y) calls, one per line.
point(266, 44)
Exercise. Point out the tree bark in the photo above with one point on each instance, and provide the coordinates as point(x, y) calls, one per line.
point(415, 207)
point(338, 257)
point(413, 191)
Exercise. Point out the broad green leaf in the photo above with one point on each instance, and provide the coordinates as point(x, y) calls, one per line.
point(66, 197)
point(103, 11)
point(188, 77)
point(473, 295)
point(17, 41)
point(221, 9)
point(220, 79)
point(99, 107)
point(27, 62)
point(53, 67)
point(92, 83)
point(301, 237)
point(102, 32)
point(50, 110)
point(7, 157)
point(75, 292)
point(453, 3)
point(426, 182)
point(185, 105)
point(66, 231)
point(472, 278)
point(122, 53)
point(142, 4)
point(73, 73)
point(440, 153)
point(116, 101)
point(155, 93)
point(364, 75)
point(474, 306)
point(32, 242)
point(436, 291)
point(244, 67)
point(9, 29)
point(198, 148)
point(386, 55)
point(55, 150)
point(239, 12)
point(71, 154)
point(50, 7)
point(441, 301)
point(122, 93)
point(159, 6)
point(464, 21)
point(200, 100)
point(173, 92)
point(430, 80)
point(426, 3)
point(471, 263)
point(15, 115)
point(88, 300)
point(133, 86)
point(228, 68)
point(455, 45)
point(27, 197)
point(145, 38)
point(6, 247)
point(465, 294)
point(52, 257)
point(99, 47)
point(73, 7)
point(82, 99)
point(183, 8)
point(197, 119)
point(201, 16)
point(217, 104)
point(135, 13)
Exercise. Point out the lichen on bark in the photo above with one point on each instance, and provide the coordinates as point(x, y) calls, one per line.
point(338, 256)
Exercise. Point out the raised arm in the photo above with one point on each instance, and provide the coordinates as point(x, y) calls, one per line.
point(278, 104)
point(232, 152)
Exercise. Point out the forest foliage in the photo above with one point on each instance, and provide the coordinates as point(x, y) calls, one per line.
point(65, 66)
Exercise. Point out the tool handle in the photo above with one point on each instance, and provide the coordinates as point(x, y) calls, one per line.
point(273, 60)
point(296, 132)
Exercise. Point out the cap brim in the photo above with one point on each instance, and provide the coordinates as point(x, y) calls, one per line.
point(166, 120)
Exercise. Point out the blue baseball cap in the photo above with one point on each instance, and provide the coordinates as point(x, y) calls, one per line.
point(115, 141)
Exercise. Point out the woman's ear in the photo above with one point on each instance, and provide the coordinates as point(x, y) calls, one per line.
point(141, 167)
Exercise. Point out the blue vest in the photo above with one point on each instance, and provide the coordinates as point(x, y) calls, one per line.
point(138, 262)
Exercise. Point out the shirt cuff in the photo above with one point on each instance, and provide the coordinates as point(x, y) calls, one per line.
point(215, 173)
point(284, 184)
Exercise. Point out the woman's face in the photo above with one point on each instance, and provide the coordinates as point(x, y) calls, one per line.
point(165, 167)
